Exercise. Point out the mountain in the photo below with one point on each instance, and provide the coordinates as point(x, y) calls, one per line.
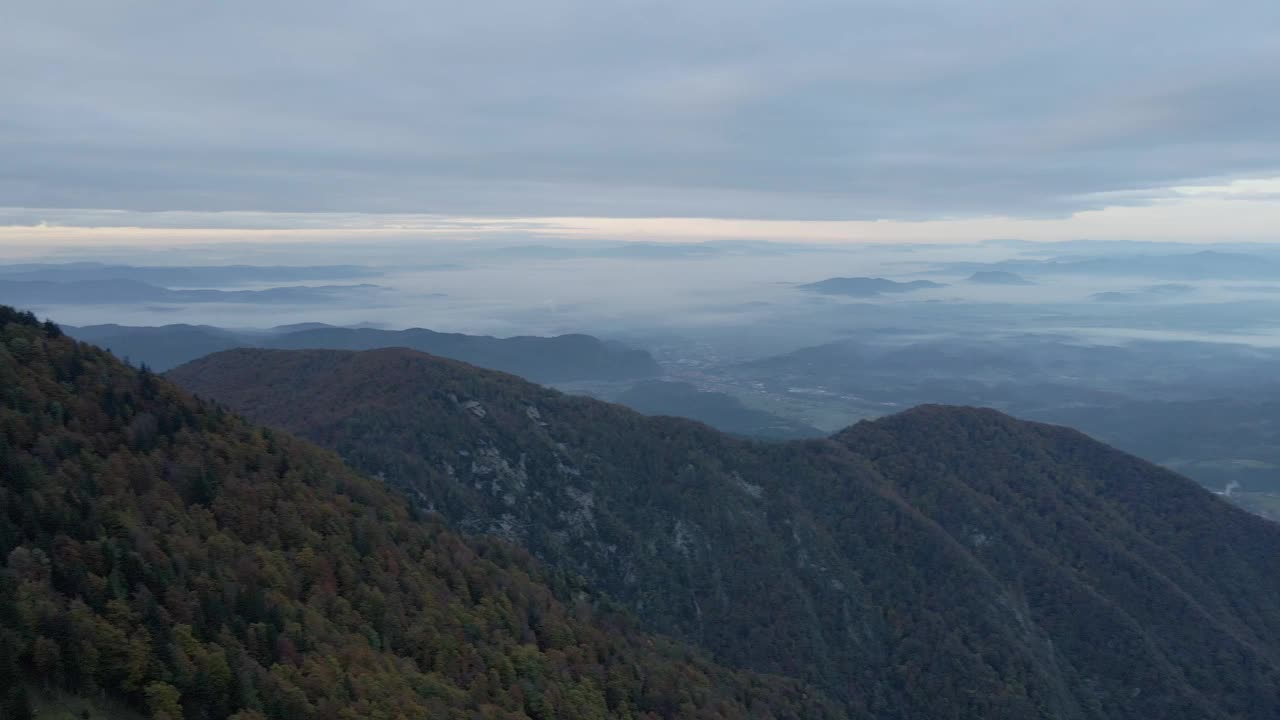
point(297, 327)
point(160, 348)
point(184, 275)
point(163, 553)
point(122, 291)
point(998, 277)
point(940, 563)
point(1024, 372)
point(867, 286)
point(628, 250)
point(654, 251)
point(1207, 410)
point(546, 359)
point(721, 411)
point(1225, 443)
point(1147, 294)
point(1186, 266)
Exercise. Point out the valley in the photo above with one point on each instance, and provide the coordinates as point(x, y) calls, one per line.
point(779, 360)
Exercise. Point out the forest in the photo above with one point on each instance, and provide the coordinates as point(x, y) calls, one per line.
point(944, 562)
point(162, 551)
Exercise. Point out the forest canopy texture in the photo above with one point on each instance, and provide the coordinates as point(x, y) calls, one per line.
point(942, 563)
point(161, 551)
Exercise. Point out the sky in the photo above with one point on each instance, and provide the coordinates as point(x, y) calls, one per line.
point(136, 122)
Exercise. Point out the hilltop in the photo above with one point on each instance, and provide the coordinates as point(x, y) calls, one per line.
point(867, 286)
point(164, 553)
point(944, 563)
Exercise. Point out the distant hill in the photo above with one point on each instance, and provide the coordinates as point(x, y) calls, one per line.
point(160, 348)
point(183, 275)
point(121, 291)
point(1209, 411)
point(1184, 266)
point(998, 277)
point(653, 251)
point(940, 563)
point(297, 327)
point(163, 553)
point(1147, 294)
point(1112, 296)
point(867, 286)
point(1221, 442)
point(721, 411)
point(545, 359)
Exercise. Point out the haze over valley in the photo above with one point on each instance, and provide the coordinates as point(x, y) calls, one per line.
point(779, 360)
point(1099, 336)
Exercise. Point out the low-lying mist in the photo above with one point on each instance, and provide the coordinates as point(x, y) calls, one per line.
point(776, 339)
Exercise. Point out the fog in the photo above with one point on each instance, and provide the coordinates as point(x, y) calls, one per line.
point(1120, 339)
point(632, 291)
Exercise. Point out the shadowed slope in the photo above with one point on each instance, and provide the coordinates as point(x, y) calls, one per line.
point(170, 554)
point(943, 563)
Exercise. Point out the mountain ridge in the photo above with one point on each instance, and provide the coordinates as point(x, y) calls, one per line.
point(112, 291)
point(867, 286)
point(891, 564)
point(169, 554)
point(572, 356)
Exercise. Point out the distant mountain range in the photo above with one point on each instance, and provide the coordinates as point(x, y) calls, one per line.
point(183, 275)
point(657, 251)
point(719, 410)
point(1225, 443)
point(1186, 266)
point(1147, 294)
point(998, 277)
point(867, 286)
point(544, 359)
point(159, 348)
point(1209, 410)
point(118, 291)
point(940, 563)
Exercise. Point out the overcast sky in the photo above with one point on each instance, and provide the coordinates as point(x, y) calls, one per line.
point(796, 110)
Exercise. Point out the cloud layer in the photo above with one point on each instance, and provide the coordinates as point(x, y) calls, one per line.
point(751, 108)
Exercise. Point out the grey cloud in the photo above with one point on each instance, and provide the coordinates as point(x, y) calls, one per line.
point(753, 108)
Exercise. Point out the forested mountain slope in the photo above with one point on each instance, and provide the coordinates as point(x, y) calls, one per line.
point(164, 552)
point(942, 563)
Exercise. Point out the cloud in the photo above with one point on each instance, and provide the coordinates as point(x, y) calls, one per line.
point(753, 108)
point(1245, 211)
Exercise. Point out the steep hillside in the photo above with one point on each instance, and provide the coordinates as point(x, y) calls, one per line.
point(165, 553)
point(942, 563)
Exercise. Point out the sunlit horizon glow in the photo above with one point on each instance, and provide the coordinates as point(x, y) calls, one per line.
point(1238, 211)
